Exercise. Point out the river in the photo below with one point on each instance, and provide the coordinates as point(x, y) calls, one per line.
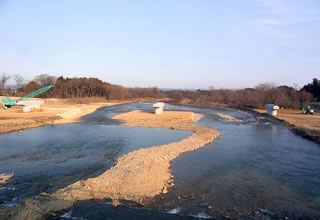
point(255, 169)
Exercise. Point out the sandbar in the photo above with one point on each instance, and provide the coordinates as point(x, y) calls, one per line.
point(137, 176)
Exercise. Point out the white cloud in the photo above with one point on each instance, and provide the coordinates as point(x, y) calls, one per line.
point(290, 11)
point(284, 19)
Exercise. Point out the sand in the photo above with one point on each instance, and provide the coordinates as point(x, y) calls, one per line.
point(53, 111)
point(4, 178)
point(138, 115)
point(142, 174)
point(228, 118)
point(137, 176)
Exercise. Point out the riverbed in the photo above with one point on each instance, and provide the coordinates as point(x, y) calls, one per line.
point(256, 168)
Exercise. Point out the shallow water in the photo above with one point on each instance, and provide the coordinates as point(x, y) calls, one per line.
point(255, 169)
point(48, 158)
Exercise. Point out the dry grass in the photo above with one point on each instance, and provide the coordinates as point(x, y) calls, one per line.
point(297, 118)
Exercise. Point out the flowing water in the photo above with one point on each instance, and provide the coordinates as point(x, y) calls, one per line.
point(256, 169)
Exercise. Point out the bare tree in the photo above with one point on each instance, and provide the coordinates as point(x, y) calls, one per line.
point(266, 86)
point(296, 86)
point(19, 80)
point(45, 80)
point(3, 80)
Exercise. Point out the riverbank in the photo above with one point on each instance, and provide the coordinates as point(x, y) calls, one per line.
point(137, 176)
point(307, 126)
point(53, 111)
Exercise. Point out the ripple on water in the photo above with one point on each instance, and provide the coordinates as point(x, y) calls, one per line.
point(253, 166)
point(256, 169)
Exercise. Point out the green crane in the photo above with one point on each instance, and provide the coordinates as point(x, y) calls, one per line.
point(7, 102)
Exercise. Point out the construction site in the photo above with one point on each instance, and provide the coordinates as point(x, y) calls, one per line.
point(20, 113)
point(145, 176)
point(139, 175)
point(160, 110)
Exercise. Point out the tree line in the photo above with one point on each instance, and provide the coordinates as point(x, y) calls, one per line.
point(78, 88)
point(256, 97)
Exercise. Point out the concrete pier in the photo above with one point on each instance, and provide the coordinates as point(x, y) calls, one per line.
point(158, 108)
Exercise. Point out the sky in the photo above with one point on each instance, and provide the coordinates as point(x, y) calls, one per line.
point(185, 44)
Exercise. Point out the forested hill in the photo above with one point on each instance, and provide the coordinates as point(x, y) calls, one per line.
point(256, 97)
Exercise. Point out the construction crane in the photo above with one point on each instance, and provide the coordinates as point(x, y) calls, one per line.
point(7, 102)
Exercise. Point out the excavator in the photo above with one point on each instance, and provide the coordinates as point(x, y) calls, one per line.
point(307, 110)
point(7, 102)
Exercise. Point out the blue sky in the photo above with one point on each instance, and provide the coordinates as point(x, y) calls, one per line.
point(168, 44)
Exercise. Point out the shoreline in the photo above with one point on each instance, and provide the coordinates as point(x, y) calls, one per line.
point(311, 134)
point(14, 120)
point(125, 180)
point(136, 177)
